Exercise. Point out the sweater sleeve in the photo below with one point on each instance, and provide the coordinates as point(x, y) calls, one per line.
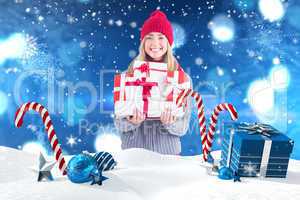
point(123, 125)
point(180, 126)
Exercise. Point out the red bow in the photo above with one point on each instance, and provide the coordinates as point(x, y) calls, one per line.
point(144, 68)
point(147, 86)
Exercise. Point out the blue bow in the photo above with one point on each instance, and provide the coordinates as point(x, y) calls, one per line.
point(258, 128)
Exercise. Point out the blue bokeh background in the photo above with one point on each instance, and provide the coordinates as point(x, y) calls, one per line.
point(63, 54)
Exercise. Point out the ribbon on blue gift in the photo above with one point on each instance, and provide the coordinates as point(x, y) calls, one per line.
point(256, 128)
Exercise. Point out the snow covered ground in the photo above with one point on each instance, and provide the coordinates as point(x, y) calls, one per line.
point(141, 175)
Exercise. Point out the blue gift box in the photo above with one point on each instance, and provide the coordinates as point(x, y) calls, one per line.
point(255, 150)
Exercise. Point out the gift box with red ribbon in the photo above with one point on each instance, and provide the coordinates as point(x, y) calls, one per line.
point(156, 70)
point(150, 88)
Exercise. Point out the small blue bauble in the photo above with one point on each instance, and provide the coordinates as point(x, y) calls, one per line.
point(225, 173)
point(104, 161)
point(80, 168)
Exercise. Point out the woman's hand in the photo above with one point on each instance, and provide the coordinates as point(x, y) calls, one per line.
point(137, 117)
point(167, 117)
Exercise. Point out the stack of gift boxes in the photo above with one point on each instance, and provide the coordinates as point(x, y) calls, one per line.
point(150, 88)
point(252, 150)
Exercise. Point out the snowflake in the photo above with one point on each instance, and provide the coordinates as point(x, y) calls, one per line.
point(111, 22)
point(295, 41)
point(249, 169)
point(71, 19)
point(119, 22)
point(83, 44)
point(133, 24)
point(251, 53)
point(132, 53)
point(40, 18)
point(198, 61)
point(220, 71)
point(71, 140)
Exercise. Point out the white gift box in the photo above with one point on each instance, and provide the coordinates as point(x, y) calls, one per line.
point(155, 108)
point(156, 70)
point(149, 90)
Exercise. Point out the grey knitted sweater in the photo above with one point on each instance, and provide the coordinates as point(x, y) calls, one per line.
point(153, 135)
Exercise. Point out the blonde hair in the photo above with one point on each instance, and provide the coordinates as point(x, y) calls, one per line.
point(168, 57)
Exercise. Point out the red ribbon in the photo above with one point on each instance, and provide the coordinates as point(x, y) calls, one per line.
point(144, 68)
point(145, 92)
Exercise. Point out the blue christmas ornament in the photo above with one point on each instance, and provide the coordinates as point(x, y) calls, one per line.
point(225, 173)
point(105, 161)
point(80, 168)
point(85, 167)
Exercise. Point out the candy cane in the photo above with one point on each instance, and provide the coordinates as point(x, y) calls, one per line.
point(206, 139)
point(200, 108)
point(49, 129)
point(213, 123)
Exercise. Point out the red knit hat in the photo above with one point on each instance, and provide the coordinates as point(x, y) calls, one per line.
point(158, 22)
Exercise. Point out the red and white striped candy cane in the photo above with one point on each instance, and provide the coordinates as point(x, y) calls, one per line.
point(200, 108)
point(213, 123)
point(206, 139)
point(49, 129)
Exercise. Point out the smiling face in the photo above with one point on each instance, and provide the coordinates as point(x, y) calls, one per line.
point(156, 45)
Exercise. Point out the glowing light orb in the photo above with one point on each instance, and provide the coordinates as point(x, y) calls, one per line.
point(260, 96)
point(108, 142)
point(272, 10)
point(223, 33)
point(34, 148)
point(18, 46)
point(198, 61)
point(119, 22)
point(132, 53)
point(179, 36)
point(133, 24)
point(222, 28)
point(276, 61)
point(3, 102)
point(280, 77)
point(220, 71)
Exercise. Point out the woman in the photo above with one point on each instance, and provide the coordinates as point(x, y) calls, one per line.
point(163, 135)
